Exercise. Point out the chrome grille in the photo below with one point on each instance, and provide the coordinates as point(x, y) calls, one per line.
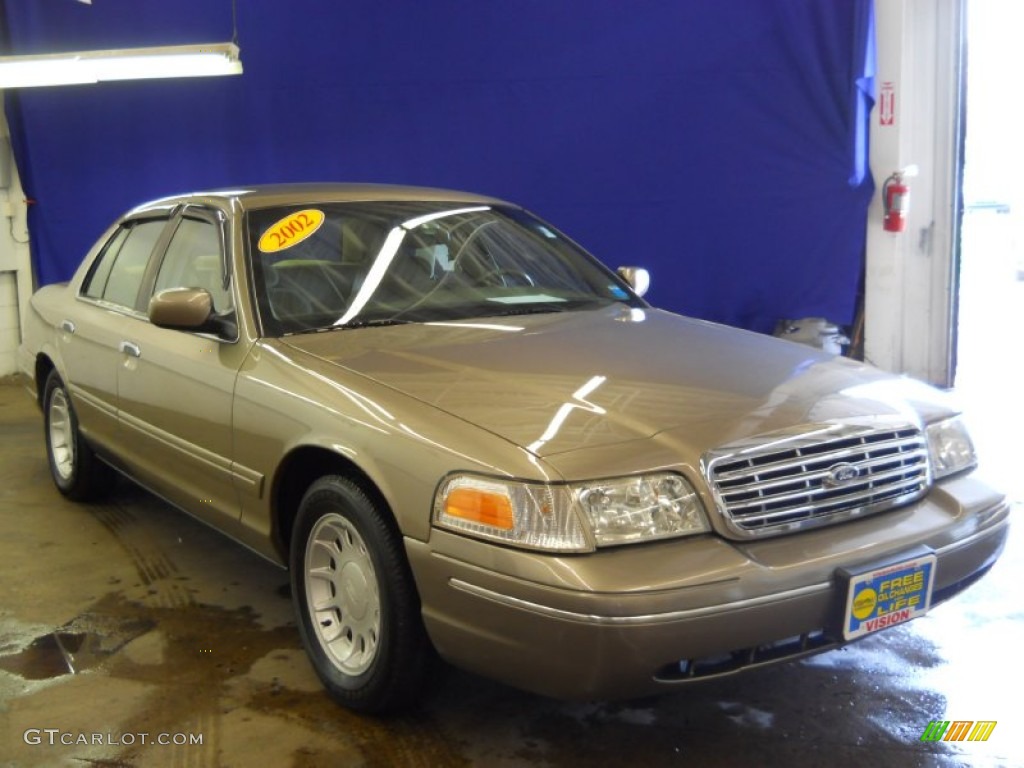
point(817, 478)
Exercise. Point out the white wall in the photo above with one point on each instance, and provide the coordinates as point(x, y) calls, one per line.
point(15, 266)
point(910, 284)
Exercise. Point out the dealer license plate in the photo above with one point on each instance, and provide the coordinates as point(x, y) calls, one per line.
point(889, 595)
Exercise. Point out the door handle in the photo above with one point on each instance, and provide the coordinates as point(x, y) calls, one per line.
point(131, 348)
point(67, 326)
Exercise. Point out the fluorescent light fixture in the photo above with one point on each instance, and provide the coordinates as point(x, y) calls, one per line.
point(119, 64)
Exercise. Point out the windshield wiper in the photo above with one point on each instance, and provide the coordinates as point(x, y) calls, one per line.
point(529, 309)
point(352, 324)
point(372, 323)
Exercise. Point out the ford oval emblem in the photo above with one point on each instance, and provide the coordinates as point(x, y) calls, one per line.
point(841, 474)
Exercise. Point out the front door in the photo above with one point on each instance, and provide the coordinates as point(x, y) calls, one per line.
point(176, 387)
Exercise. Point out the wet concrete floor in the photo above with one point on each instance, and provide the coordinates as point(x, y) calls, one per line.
point(126, 624)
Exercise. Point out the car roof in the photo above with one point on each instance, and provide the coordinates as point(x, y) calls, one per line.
point(269, 195)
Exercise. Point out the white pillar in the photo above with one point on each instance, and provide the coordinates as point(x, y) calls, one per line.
point(909, 304)
point(16, 283)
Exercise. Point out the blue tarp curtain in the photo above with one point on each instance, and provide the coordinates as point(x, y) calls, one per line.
point(720, 143)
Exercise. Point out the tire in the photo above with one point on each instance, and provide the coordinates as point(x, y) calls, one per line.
point(76, 471)
point(357, 608)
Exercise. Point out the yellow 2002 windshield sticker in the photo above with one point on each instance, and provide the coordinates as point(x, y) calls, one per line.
point(291, 230)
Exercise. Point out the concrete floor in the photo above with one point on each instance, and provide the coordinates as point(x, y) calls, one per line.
point(174, 630)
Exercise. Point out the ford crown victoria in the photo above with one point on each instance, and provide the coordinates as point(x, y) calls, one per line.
point(463, 435)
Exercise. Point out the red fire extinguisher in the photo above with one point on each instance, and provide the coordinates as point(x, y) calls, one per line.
point(896, 200)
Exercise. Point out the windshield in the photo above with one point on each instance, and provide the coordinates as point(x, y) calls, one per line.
point(345, 265)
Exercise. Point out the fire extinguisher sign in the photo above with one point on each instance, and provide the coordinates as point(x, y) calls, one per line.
point(887, 104)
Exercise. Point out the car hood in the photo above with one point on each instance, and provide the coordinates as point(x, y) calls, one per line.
point(567, 381)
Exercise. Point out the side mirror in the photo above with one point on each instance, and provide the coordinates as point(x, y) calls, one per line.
point(639, 279)
point(185, 308)
point(188, 309)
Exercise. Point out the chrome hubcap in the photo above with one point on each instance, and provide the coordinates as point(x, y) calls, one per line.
point(342, 594)
point(62, 441)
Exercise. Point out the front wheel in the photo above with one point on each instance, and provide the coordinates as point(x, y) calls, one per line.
point(357, 608)
point(75, 469)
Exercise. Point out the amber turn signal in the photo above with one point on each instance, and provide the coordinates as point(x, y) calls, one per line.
point(478, 506)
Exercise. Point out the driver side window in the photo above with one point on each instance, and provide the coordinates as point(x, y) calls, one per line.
point(194, 260)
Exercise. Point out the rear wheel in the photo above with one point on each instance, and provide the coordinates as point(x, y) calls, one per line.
point(75, 469)
point(357, 608)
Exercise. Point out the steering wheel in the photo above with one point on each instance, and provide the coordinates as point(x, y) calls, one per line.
point(500, 275)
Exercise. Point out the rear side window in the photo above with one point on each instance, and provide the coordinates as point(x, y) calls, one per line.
point(96, 282)
point(118, 275)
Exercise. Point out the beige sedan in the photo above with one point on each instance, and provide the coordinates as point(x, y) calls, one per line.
point(464, 435)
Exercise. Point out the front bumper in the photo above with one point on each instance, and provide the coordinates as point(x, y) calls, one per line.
point(638, 620)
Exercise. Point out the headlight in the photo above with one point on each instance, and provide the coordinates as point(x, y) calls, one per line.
point(570, 518)
point(642, 508)
point(950, 448)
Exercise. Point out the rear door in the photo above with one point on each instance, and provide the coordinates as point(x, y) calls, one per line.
point(89, 337)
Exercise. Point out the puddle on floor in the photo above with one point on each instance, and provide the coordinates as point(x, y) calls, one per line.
point(52, 655)
point(77, 646)
point(47, 656)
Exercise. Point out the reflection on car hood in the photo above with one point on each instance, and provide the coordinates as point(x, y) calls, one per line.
point(559, 382)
